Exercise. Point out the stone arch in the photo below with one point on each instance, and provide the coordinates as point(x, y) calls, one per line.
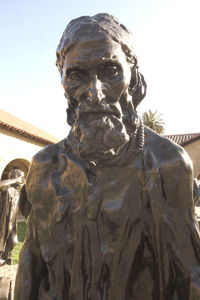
point(19, 163)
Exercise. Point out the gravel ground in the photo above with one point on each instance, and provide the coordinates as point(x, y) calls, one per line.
point(7, 281)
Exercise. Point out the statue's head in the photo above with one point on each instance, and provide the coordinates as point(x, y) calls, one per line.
point(15, 173)
point(100, 76)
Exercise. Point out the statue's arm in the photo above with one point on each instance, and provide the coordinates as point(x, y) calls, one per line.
point(181, 213)
point(178, 183)
point(31, 267)
point(169, 183)
point(170, 169)
point(8, 182)
point(36, 203)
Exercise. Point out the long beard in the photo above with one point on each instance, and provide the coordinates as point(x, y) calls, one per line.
point(101, 131)
point(98, 138)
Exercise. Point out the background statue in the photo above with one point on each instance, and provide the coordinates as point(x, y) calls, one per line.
point(111, 210)
point(9, 197)
point(196, 191)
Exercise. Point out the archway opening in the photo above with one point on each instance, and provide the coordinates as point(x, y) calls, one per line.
point(19, 163)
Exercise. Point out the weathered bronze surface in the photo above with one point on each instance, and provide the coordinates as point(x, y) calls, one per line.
point(9, 197)
point(110, 208)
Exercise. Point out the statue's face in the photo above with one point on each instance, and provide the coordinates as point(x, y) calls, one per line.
point(96, 77)
point(96, 71)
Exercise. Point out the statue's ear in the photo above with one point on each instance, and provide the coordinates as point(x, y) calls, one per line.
point(137, 87)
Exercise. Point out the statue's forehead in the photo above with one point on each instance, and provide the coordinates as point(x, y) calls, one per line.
point(80, 31)
point(94, 50)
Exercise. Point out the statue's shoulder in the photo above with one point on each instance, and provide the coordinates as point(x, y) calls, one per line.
point(44, 163)
point(166, 151)
point(48, 159)
point(52, 161)
point(49, 153)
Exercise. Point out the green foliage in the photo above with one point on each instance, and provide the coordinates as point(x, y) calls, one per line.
point(15, 253)
point(154, 121)
point(21, 231)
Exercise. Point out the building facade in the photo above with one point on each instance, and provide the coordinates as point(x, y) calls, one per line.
point(19, 141)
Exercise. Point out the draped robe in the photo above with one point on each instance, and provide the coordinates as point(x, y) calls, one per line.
point(125, 232)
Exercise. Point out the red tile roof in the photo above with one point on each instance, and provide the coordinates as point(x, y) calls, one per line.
point(184, 139)
point(14, 124)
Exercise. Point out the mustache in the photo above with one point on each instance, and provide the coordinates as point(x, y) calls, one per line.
point(88, 108)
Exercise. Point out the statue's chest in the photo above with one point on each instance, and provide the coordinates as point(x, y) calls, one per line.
point(68, 205)
point(113, 200)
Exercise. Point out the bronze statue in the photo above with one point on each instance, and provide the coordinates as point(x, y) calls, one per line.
point(196, 191)
point(111, 212)
point(9, 197)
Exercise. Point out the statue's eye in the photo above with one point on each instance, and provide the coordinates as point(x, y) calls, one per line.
point(75, 75)
point(111, 71)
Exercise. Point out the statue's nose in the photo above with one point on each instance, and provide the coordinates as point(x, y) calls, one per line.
point(95, 89)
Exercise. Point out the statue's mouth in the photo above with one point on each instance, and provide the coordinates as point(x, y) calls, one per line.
point(98, 114)
point(93, 111)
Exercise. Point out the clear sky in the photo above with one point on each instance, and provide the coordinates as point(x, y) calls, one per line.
point(167, 42)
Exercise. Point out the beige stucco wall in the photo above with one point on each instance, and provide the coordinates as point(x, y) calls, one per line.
point(14, 146)
point(193, 149)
